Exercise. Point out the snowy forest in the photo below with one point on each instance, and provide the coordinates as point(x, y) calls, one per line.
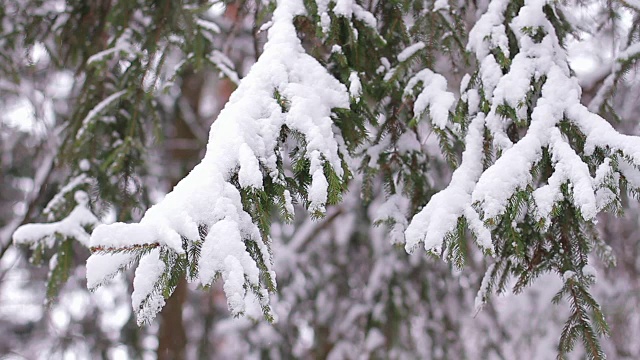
point(319, 179)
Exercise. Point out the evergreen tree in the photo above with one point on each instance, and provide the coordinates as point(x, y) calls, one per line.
point(352, 116)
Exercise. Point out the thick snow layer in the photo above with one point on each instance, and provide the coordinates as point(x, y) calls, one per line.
point(286, 87)
point(103, 267)
point(512, 171)
point(489, 31)
point(226, 254)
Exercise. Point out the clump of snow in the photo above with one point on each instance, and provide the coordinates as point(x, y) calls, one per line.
point(489, 31)
point(103, 267)
point(84, 165)
point(434, 97)
point(410, 51)
point(568, 275)
point(441, 5)
point(227, 254)
point(208, 25)
point(344, 8)
point(355, 87)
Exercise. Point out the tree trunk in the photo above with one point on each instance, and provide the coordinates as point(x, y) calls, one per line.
point(172, 338)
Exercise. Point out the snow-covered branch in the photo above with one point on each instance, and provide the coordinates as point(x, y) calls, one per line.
point(286, 90)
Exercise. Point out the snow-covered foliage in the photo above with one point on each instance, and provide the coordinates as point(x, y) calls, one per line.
point(357, 130)
point(74, 226)
point(381, 310)
point(286, 91)
point(550, 156)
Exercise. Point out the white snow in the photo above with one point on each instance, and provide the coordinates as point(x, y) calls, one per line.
point(343, 8)
point(441, 5)
point(225, 65)
point(225, 253)
point(395, 209)
point(249, 174)
point(440, 216)
point(489, 31)
point(355, 87)
point(483, 293)
point(567, 275)
point(433, 96)
point(145, 300)
point(208, 25)
point(71, 226)
point(410, 50)
point(630, 172)
point(103, 267)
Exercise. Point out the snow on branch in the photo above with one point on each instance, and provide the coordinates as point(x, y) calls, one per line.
point(434, 96)
point(207, 218)
point(344, 8)
point(73, 226)
point(440, 216)
point(410, 51)
point(122, 44)
point(97, 110)
point(480, 197)
point(626, 57)
point(58, 200)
